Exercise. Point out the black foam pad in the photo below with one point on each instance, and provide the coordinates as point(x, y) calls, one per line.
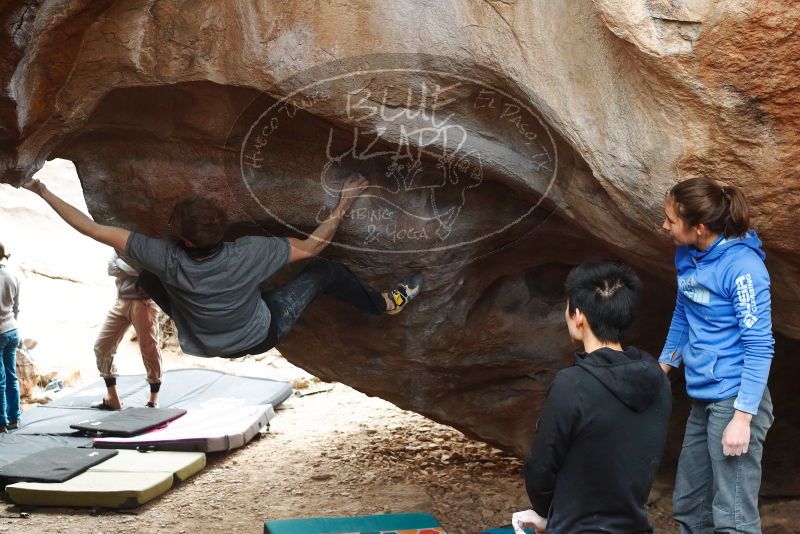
point(56, 464)
point(128, 422)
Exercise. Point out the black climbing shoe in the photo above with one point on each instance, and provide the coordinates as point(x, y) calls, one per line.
point(403, 292)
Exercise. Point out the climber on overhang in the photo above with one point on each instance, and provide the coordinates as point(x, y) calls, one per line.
point(210, 287)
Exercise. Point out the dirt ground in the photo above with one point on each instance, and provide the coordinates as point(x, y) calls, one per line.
point(336, 452)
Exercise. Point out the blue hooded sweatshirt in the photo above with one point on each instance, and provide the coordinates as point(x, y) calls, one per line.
point(722, 325)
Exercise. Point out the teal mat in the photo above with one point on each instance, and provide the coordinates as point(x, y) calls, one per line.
point(370, 523)
point(505, 530)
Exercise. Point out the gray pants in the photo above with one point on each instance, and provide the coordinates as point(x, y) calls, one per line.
point(716, 493)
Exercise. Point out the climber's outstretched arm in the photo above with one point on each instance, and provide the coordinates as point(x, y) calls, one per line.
point(108, 235)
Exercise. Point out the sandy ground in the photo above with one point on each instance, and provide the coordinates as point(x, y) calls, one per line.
point(336, 452)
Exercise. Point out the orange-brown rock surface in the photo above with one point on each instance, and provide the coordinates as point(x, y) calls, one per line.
point(505, 142)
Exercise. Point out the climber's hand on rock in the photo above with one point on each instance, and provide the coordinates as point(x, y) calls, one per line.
point(34, 185)
point(351, 189)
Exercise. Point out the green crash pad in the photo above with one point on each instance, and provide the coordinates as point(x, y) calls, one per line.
point(127, 480)
point(400, 523)
point(181, 464)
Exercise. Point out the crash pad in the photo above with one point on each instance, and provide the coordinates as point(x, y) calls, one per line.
point(128, 422)
point(372, 524)
point(55, 464)
point(202, 429)
point(129, 479)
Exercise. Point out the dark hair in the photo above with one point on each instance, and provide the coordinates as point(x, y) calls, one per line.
point(721, 208)
point(200, 220)
point(606, 293)
point(3, 254)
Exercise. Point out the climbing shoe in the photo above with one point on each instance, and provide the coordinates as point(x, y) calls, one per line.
point(403, 292)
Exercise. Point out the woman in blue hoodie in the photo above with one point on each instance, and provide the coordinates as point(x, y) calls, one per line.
point(722, 333)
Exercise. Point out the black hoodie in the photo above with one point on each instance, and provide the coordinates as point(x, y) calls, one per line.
point(599, 441)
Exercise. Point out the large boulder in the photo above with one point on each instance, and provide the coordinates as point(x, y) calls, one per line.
point(505, 142)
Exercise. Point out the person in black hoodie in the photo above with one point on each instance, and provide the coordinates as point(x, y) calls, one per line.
point(603, 427)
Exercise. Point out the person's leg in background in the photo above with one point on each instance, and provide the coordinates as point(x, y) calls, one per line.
point(105, 347)
point(12, 410)
point(144, 317)
point(5, 340)
point(694, 483)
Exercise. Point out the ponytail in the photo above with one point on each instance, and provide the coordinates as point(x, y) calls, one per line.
point(737, 220)
point(722, 209)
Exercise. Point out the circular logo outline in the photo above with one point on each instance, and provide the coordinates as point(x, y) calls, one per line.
point(286, 100)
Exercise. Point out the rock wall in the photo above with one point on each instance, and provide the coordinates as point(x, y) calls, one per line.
point(505, 142)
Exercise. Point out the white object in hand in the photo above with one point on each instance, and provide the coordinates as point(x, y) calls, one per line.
point(528, 519)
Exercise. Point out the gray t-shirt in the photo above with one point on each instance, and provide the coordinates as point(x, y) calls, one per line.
point(216, 303)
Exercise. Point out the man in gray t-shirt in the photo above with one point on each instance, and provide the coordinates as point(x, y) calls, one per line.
point(215, 303)
point(210, 287)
